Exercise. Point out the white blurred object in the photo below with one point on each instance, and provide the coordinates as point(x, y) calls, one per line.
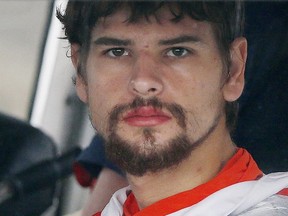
point(78, 213)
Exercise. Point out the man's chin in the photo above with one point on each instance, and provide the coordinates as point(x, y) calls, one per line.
point(148, 136)
point(148, 156)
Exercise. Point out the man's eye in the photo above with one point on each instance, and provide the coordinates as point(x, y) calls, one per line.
point(117, 52)
point(177, 52)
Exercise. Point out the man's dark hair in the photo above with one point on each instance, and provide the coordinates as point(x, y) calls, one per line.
point(226, 18)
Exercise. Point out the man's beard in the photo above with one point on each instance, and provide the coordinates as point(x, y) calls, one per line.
point(140, 158)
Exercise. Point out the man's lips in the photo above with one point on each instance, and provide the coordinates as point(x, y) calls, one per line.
point(146, 116)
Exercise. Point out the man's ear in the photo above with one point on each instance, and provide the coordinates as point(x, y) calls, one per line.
point(75, 49)
point(80, 83)
point(234, 85)
point(81, 88)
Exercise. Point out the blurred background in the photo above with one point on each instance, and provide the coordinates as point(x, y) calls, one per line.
point(23, 26)
point(36, 88)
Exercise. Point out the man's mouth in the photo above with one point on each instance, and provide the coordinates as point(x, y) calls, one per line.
point(146, 116)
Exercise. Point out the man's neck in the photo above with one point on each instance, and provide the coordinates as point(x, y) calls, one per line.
point(203, 164)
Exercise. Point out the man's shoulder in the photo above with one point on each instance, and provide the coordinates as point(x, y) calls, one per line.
point(276, 205)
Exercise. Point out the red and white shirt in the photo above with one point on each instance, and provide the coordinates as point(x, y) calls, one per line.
point(238, 188)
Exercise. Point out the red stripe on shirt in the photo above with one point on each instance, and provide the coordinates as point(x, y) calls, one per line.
point(283, 192)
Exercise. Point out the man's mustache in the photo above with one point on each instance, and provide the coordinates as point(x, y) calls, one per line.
point(175, 109)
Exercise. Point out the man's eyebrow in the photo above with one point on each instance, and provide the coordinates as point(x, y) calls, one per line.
point(180, 39)
point(110, 41)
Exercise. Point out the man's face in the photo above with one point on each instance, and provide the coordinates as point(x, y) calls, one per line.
point(155, 89)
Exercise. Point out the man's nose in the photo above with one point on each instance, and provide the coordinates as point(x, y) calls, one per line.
point(146, 80)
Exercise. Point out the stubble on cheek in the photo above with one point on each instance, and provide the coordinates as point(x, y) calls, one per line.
point(99, 120)
point(114, 118)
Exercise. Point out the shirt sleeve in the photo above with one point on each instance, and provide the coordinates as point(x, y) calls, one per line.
point(90, 162)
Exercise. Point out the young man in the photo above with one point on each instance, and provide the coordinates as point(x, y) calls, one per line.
point(161, 80)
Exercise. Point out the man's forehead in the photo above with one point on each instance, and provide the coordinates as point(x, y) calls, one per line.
point(118, 21)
